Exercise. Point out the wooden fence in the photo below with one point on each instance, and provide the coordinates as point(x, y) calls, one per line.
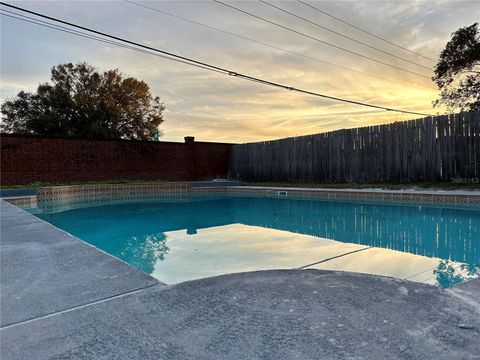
point(441, 148)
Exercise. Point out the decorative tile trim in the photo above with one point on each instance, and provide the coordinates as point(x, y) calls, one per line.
point(103, 190)
point(470, 200)
point(68, 197)
point(70, 203)
point(25, 202)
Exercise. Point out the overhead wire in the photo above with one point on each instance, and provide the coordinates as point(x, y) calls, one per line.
point(319, 40)
point(210, 67)
point(268, 44)
point(343, 35)
point(365, 31)
point(31, 20)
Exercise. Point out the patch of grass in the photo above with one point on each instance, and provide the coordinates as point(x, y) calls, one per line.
point(386, 186)
point(39, 184)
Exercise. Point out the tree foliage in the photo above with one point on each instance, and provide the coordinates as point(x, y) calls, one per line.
point(81, 102)
point(457, 73)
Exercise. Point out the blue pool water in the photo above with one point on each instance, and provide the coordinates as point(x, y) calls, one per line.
point(204, 236)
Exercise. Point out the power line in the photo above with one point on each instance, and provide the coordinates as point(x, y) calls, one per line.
point(91, 37)
point(343, 35)
point(266, 44)
point(206, 66)
point(317, 39)
point(364, 31)
point(197, 63)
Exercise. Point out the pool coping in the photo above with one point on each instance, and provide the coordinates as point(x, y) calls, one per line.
point(455, 197)
point(39, 263)
point(64, 329)
point(89, 192)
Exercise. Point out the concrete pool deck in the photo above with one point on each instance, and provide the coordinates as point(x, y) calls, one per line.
point(62, 298)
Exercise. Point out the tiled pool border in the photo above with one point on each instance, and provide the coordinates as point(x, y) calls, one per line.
point(23, 201)
point(106, 194)
point(461, 198)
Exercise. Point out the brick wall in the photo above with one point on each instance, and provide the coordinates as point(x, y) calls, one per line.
point(27, 159)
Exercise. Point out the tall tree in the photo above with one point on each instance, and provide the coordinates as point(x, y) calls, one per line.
point(457, 73)
point(81, 102)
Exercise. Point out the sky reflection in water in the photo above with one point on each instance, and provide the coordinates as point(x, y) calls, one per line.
point(179, 241)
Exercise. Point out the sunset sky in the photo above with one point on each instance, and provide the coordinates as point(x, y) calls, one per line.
point(214, 107)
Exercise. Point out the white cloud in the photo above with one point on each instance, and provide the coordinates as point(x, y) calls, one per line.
point(214, 107)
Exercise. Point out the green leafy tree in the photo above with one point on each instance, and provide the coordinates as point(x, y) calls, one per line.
point(457, 73)
point(81, 102)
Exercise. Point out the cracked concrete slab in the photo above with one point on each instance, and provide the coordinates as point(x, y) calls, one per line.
point(45, 270)
point(469, 291)
point(284, 314)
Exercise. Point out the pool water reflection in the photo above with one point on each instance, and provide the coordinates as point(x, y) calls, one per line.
point(179, 241)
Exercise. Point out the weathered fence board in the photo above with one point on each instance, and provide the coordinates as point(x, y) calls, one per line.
point(441, 148)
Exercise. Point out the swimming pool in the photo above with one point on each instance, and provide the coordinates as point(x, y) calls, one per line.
point(200, 236)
